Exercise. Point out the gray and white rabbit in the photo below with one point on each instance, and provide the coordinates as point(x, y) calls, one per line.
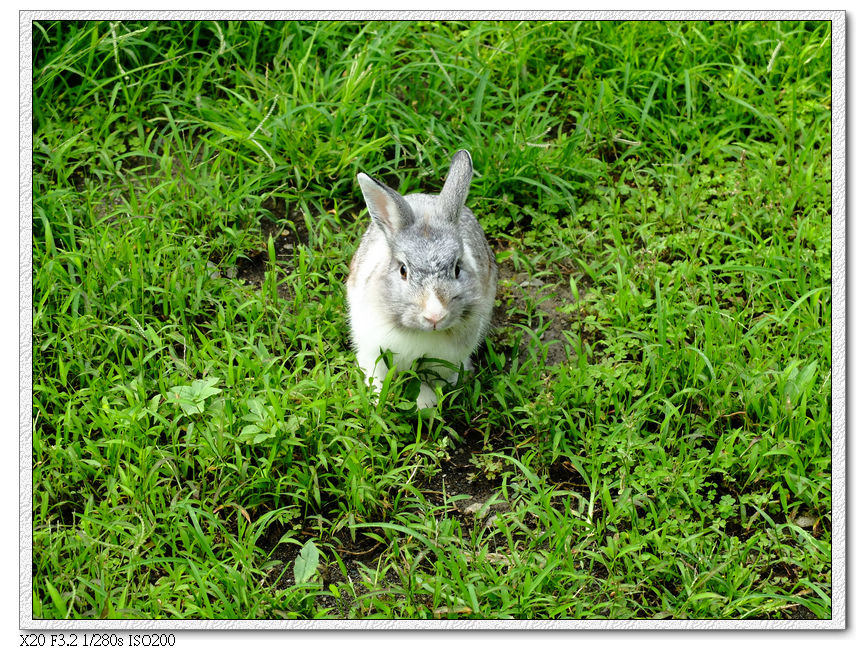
point(423, 280)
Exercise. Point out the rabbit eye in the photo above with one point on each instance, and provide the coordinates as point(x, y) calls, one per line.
point(457, 271)
point(403, 271)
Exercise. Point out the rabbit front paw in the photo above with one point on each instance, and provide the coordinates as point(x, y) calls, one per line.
point(427, 397)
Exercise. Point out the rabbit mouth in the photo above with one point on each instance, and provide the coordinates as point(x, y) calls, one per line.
point(415, 321)
point(433, 325)
point(446, 323)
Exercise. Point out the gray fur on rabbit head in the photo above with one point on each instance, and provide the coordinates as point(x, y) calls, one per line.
point(423, 281)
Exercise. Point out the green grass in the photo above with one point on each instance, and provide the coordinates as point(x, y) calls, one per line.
point(648, 433)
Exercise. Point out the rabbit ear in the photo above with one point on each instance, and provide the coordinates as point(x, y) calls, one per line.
point(386, 207)
point(456, 188)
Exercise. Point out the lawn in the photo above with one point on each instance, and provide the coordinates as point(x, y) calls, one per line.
point(647, 434)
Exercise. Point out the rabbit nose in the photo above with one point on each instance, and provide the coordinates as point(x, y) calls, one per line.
point(434, 311)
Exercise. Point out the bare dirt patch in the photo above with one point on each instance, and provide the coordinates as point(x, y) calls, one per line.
point(534, 302)
point(288, 231)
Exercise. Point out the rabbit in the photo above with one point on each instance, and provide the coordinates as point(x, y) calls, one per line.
point(422, 282)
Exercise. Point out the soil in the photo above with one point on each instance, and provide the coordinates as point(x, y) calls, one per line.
point(288, 230)
point(521, 289)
